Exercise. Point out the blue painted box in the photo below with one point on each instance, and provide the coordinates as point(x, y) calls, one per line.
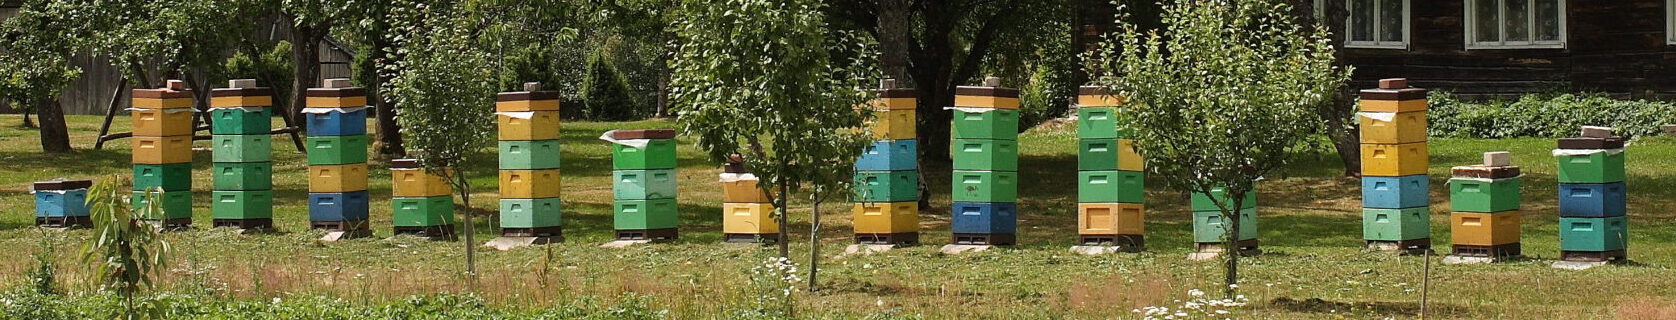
point(1395, 192)
point(1592, 200)
point(334, 123)
point(985, 217)
point(345, 206)
point(889, 155)
point(69, 203)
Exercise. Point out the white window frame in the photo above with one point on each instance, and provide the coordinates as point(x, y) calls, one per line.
point(1670, 21)
point(1471, 28)
point(1350, 26)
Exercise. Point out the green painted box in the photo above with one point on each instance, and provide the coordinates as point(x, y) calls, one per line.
point(1099, 123)
point(529, 155)
point(1396, 224)
point(232, 176)
point(1600, 167)
point(174, 205)
point(170, 177)
point(530, 213)
point(422, 211)
point(984, 154)
point(644, 214)
point(1208, 226)
point(1111, 186)
point(643, 184)
point(1097, 154)
point(1201, 202)
point(998, 124)
point(241, 148)
point(886, 186)
point(985, 186)
point(240, 121)
point(334, 150)
point(658, 154)
point(1594, 234)
point(1477, 195)
point(255, 204)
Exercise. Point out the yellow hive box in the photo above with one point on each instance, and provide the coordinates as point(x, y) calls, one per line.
point(163, 150)
point(1111, 218)
point(337, 178)
point(161, 123)
point(1393, 105)
point(1404, 127)
point(986, 102)
point(241, 101)
point(154, 103)
point(529, 184)
point(882, 104)
point(748, 218)
point(1394, 160)
point(1484, 229)
point(886, 217)
point(1100, 100)
point(417, 183)
point(743, 191)
point(337, 102)
point(1127, 158)
point(544, 125)
point(894, 124)
point(527, 105)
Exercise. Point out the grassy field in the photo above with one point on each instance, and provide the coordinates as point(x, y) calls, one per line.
point(1310, 231)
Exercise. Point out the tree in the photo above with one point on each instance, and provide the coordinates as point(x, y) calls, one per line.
point(35, 48)
point(125, 251)
point(757, 77)
point(311, 21)
point(1219, 95)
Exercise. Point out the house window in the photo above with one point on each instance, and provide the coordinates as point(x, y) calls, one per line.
point(1377, 24)
point(1670, 21)
point(1515, 24)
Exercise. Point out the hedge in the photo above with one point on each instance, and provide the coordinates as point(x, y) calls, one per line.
point(1551, 115)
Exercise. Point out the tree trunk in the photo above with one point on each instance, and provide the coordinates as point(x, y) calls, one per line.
point(1340, 109)
point(894, 29)
point(785, 243)
point(1230, 245)
point(305, 58)
point(471, 244)
point(663, 84)
point(814, 244)
point(389, 134)
point(26, 122)
point(55, 135)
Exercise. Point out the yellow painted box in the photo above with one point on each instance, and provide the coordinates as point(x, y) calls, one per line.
point(155, 103)
point(882, 104)
point(1111, 219)
point(527, 105)
point(1404, 127)
point(337, 102)
point(1484, 229)
point(417, 183)
point(1128, 159)
point(541, 125)
point(1393, 105)
point(986, 102)
point(748, 218)
point(529, 184)
point(1099, 100)
point(162, 150)
point(743, 191)
point(886, 217)
point(337, 178)
point(241, 101)
point(894, 124)
point(1394, 160)
point(162, 122)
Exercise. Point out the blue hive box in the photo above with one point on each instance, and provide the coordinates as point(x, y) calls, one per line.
point(70, 203)
point(335, 123)
point(889, 155)
point(1592, 200)
point(346, 206)
point(985, 217)
point(1395, 192)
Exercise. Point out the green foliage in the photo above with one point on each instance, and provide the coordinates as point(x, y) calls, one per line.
point(1549, 115)
point(44, 277)
point(35, 47)
point(272, 65)
point(1047, 96)
point(125, 251)
point(27, 304)
point(446, 104)
point(607, 94)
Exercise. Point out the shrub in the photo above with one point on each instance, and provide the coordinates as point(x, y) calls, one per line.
point(1549, 115)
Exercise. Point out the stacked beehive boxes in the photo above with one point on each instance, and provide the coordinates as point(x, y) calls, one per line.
point(1395, 198)
point(1209, 226)
point(1110, 175)
point(1485, 202)
point(529, 163)
point(1593, 199)
point(243, 170)
point(985, 152)
point(747, 214)
point(337, 158)
point(422, 202)
point(61, 203)
point(643, 163)
point(886, 200)
point(163, 153)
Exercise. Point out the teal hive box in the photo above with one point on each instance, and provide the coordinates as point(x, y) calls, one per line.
point(1208, 225)
point(997, 124)
point(886, 186)
point(174, 204)
point(529, 155)
point(1099, 123)
point(256, 204)
point(1396, 224)
point(1601, 167)
point(241, 148)
point(1200, 202)
point(1475, 195)
point(239, 121)
point(1098, 154)
point(530, 213)
point(170, 177)
point(985, 186)
point(243, 175)
point(422, 211)
point(984, 154)
point(1594, 234)
point(658, 154)
point(643, 184)
point(644, 214)
point(335, 150)
point(1111, 186)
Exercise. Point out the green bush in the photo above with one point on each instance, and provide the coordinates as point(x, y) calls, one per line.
point(1549, 115)
point(606, 93)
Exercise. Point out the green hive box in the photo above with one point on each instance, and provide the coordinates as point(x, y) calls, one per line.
point(1594, 234)
point(239, 121)
point(422, 211)
point(241, 148)
point(1594, 168)
point(1473, 195)
point(1097, 154)
point(1099, 123)
point(998, 124)
point(170, 177)
point(334, 150)
point(1203, 203)
point(886, 186)
point(529, 155)
point(644, 214)
point(530, 213)
point(243, 175)
point(984, 154)
point(985, 186)
point(257, 204)
point(1208, 226)
point(658, 154)
point(1111, 186)
point(643, 184)
point(1396, 224)
point(175, 205)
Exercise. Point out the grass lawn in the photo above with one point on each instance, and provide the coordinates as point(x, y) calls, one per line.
point(1310, 224)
